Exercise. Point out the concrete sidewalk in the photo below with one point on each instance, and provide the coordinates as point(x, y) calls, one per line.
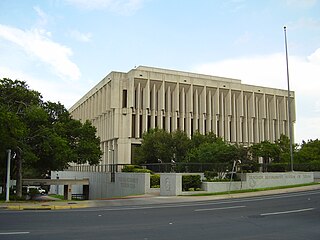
point(140, 200)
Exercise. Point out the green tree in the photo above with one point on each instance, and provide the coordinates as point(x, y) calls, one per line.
point(267, 150)
point(42, 135)
point(181, 145)
point(156, 146)
point(309, 152)
point(284, 145)
point(197, 139)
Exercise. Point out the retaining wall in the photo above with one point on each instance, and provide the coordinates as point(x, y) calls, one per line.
point(260, 180)
point(100, 185)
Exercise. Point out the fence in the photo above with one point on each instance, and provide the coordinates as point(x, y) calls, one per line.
point(201, 167)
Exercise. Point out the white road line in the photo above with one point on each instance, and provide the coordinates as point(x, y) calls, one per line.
point(286, 212)
point(14, 233)
point(214, 209)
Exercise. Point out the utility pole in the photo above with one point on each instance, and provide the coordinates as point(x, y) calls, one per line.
point(8, 176)
point(289, 104)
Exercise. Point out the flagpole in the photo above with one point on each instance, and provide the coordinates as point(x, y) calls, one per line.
point(289, 102)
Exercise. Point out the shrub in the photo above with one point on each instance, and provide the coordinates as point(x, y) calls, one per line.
point(191, 181)
point(136, 169)
point(130, 168)
point(154, 180)
point(210, 175)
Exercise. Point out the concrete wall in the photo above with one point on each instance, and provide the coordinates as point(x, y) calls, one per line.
point(170, 184)
point(101, 186)
point(260, 180)
point(316, 176)
point(221, 186)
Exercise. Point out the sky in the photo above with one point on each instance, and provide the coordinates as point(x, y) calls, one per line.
point(62, 48)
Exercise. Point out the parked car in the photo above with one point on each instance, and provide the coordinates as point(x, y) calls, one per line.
point(33, 189)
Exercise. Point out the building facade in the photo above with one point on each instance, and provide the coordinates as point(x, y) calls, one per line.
point(125, 105)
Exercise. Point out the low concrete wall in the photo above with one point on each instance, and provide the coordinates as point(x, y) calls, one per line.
point(170, 184)
point(100, 185)
point(221, 186)
point(316, 176)
point(260, 180)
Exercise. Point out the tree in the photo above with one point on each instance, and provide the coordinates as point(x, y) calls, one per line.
point(42, 135)
point(181, 145)
point(267, 150)
point(197, 139)
point(309, 152)
point(284, 145)
point(156, 146)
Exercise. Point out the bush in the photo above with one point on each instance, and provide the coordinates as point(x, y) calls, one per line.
point(136, 169)
point(210, 175)
point(277, 167)
point(191, 181)
point(130, 168)
point(155, 181)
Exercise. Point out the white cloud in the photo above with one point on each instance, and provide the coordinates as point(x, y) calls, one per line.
point(81, 37)
point(37, 43)
point(315, 57)
point(43, 17)
point(301, 3)
point(120, 6)
point(305, 23)
point(270, 71)
point(51, 89)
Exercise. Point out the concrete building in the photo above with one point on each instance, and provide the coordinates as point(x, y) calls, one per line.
point(124, 105)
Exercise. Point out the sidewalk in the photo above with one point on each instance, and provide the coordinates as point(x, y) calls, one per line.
point(140, 200)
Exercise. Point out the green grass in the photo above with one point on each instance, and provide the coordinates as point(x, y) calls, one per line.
point(61, 197)
point(253, 190)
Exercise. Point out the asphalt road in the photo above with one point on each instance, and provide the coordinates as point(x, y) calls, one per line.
point(285, 216)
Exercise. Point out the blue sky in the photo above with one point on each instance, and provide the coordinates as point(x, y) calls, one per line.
point(62, 48)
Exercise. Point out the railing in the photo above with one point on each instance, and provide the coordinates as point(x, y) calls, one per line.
point(97, 168)
point(200, 167)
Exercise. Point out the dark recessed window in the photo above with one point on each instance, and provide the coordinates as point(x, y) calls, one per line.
point(124, 98)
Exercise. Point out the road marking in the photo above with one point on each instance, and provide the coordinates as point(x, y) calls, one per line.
point(14, 233)
point(286, 212)
point(214, 209)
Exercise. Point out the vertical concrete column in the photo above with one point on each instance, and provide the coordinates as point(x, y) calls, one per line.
point(170, 184)
point(209, 112)
point(189, 112)
point(203, 110)
point(168, 109)
point(153, 106)
point(267, 122)
point(161, 104)
point(195, 110)
point(222, 114)
point(246, 117)
point(233, 118)
point(182, 109)
point(67, 192)
point(138, 108)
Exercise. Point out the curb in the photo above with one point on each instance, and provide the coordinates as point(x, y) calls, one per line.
point(52, 207)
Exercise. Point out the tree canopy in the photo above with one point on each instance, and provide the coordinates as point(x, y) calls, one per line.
point(160, 146)
point(42, 134)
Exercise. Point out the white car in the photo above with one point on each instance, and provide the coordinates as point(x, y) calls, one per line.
point(38, 188)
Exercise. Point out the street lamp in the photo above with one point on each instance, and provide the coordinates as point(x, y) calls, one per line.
point(289, 104)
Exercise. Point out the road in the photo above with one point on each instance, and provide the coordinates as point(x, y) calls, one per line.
point(284, 216)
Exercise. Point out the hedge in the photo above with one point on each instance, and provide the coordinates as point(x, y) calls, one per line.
point(191, 181)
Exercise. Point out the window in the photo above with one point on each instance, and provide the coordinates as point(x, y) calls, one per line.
point(124, 98)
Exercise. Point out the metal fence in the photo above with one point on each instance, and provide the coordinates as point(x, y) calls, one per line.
point(200, 167)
